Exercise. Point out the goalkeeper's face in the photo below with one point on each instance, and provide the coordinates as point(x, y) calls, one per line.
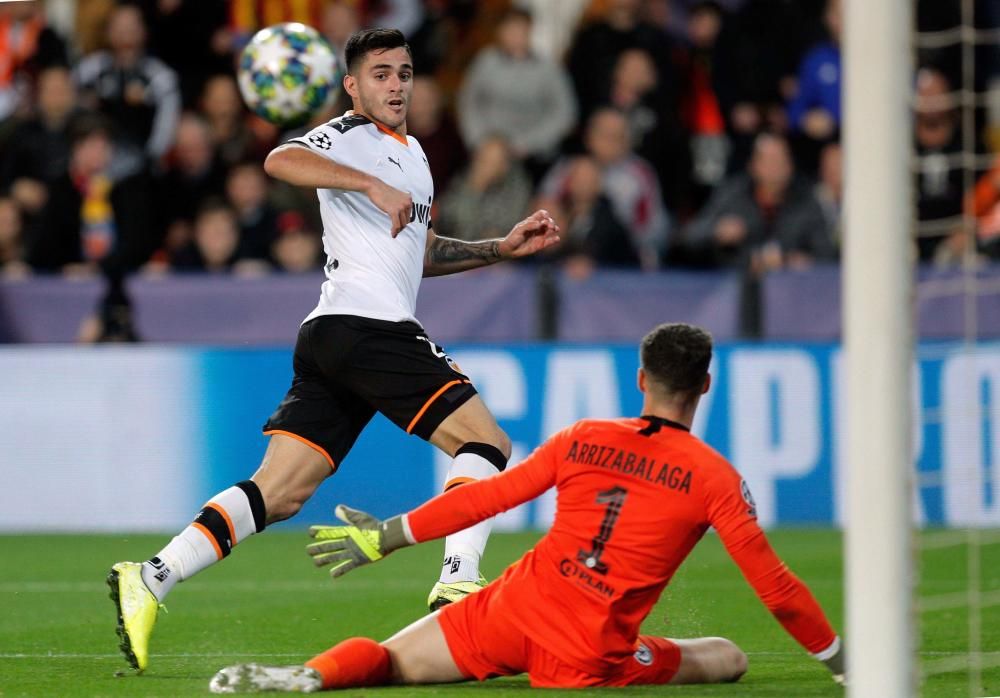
point(382, 85)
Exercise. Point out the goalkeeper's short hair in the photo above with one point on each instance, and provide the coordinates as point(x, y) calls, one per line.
point(676, 357)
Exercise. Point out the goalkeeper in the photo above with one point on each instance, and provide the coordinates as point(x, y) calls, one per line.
point(635, 495)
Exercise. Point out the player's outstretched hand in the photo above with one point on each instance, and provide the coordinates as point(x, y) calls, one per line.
point(396, 204)
point(363, 540)
point(533, 234)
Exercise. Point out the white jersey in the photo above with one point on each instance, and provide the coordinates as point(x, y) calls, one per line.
point(369, 273)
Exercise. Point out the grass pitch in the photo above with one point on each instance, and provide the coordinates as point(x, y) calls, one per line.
point(267, 603)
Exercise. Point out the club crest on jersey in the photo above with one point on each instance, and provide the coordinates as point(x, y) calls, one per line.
point(439, 352)
point(748, 498)
point(321, 140)
point(643, 655)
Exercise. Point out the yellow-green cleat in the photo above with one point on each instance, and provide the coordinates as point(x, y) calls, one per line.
point(137, 608)
point(443, 594)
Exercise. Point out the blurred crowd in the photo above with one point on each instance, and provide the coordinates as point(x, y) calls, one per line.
point(660, 133)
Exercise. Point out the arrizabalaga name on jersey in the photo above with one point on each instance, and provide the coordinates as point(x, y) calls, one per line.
point(368, 272)
point(629, 463)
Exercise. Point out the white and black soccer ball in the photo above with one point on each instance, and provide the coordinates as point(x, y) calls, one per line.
point(287, 73)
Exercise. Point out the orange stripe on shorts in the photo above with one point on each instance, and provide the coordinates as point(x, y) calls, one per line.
point(427, 404)
point(316, 447)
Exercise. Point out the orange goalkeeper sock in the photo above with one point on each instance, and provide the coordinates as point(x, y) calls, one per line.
point(357, 661)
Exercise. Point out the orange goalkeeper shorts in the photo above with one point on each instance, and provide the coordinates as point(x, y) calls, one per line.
point(485, 645)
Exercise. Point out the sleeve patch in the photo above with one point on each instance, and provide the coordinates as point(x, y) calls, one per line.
point(320, 140)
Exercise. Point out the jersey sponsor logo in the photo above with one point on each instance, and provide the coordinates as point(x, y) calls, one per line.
point(396, 163)
point(643, 655)
point(628, 463)
point(748, 498)
point(584, 578)
point(321, 140)
point(332, 265)
point(420, 212)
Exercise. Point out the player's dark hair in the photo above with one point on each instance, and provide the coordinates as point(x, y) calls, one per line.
point(365, 41)
point(676, 357)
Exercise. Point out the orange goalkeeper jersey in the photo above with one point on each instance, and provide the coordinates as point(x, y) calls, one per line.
point(634, 496)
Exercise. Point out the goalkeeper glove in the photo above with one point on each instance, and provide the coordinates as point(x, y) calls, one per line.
point(365, 539)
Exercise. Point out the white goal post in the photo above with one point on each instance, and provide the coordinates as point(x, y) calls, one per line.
point(878, 345)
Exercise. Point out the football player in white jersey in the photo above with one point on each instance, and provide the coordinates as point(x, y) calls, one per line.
point(361, 350)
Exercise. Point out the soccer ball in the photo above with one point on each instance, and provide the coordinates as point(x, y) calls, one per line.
point(287, 73)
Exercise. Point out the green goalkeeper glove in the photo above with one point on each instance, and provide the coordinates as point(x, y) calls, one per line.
point(365, 539)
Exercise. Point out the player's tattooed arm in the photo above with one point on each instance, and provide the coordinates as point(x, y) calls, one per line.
point(449, 256)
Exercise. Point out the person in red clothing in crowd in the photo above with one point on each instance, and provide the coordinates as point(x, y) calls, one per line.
point(635, 495)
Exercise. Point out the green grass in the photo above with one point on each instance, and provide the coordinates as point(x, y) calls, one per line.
point(267, 603)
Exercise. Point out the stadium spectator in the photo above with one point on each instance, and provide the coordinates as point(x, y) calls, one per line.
point(95, 219)
point(192, 38)
point(656, 131)
point(297, 249)
point(246, 191)
point(763, 219)
point(598, 45)
point(756, 56)
point(591, 235)
point(568, 613)
point(701, 106)
point(489, 197)
point(553, 24)
point(940, 237)
point(27, 45)
point(215, 244)
point(984, 203)
point(814, 111)
point(429, 121)
point(137, 91)
point(340, 19)
point(223, 110)
point(630, 183)
point(37, 153)
point(509, 91)
point(193, 176)
point(12, 264)
point(830, 189)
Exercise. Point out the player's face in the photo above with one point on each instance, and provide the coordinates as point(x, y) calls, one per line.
point(382, 86)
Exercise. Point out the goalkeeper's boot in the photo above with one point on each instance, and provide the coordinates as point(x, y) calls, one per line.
point(137, 608)
point(443, 594)
point(259, 678)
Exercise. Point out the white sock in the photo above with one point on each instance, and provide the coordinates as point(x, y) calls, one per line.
point(463, 550)
point(228, 518)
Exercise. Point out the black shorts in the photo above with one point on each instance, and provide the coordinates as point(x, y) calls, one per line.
point(347, 367)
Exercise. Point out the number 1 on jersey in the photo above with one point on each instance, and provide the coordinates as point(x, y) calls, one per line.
point(614, 498)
